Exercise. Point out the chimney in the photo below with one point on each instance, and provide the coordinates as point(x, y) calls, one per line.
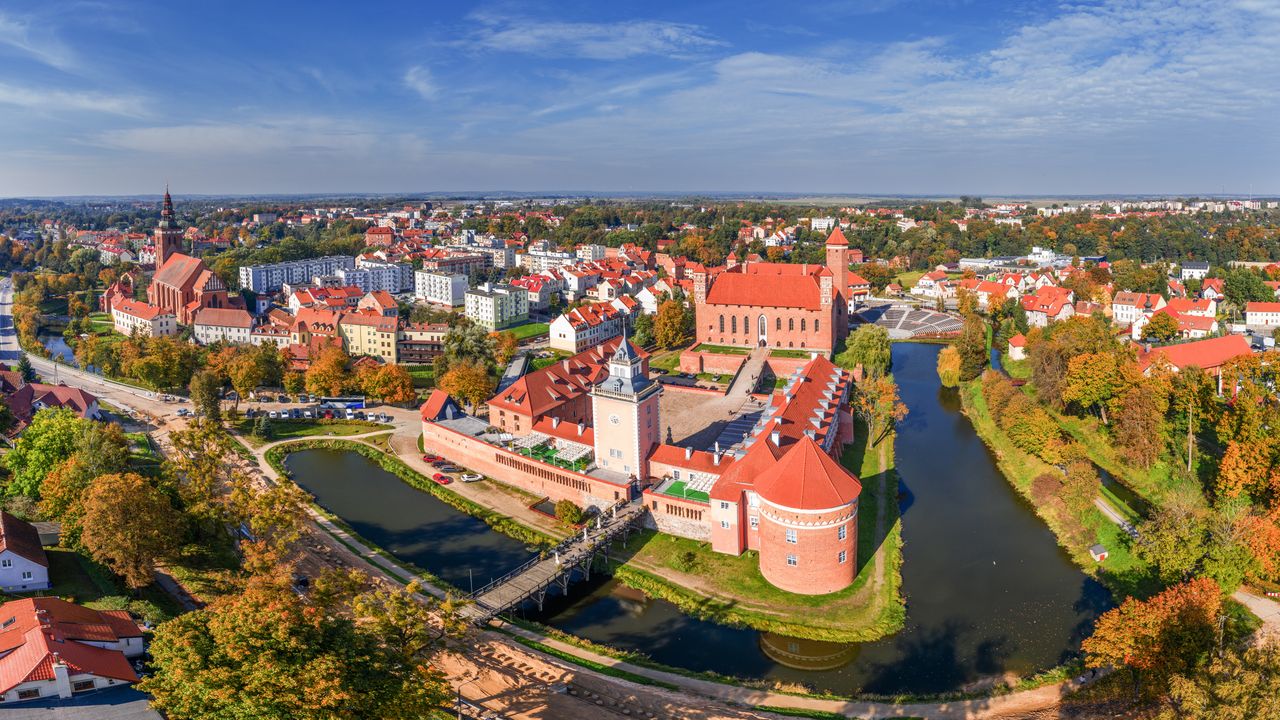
point(555, 422)
point(716, 458)
point(688, 453)
point(717, 447)
point(776, 438)
point(581, 428)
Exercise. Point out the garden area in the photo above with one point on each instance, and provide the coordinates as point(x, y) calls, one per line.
point(528, 330)
point(290, 429)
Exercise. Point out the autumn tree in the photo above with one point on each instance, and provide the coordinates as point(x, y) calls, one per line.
point(1237, 684)
point(876, 402)
point(53, 436)
point(949, 366)
point(1138, 427)
point(274, 515)
point(1091, 381)
point(669, 326)
point(504, 346)
point(1161, 328)
point(328, 374)
point(387, 383)
point(294, 382)
point(468, 382)
point(1155, 638)
point(265, 653)
point(1172, 540)
point(129, 525)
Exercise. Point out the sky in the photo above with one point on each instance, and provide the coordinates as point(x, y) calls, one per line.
point(822, 96)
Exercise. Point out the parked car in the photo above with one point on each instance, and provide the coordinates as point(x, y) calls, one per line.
point(360, 415)
point(283, 399)
point(328, 414)
point(306, 414)
point(448, 468)
point(273, 414)
point(471, 477)
point(431, 458)
point(442, 479)
point(166, 398)
point(351, 414)
point(183, 412)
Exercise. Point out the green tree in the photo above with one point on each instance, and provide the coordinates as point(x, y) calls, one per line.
point(206, 391)
point(1238, 684)
point(1172, 541)
point(52, 437)
point(972, 346)
point(1161, 328)
point(869, 347)
point(669, 326)
point(642, 330)
point(567, 511)
point(469, 343)
point(1243, 285)
point(24, 368)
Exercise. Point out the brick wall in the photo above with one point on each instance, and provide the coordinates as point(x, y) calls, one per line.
point(695, 361)
point(515, 469)
point(818, 569)
point(677, 516)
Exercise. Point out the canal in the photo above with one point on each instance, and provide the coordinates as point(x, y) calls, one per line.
point(988, 590)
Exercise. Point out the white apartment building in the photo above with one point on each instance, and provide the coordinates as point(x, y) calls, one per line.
point(389, 277)
point(440, 288)
point(590, 252)
point(1194, 270)
point(1265, 314)
point(536, 261)
point(405, 279)
point(497, 306)
point(269, 278)
point(230, 324)
point(133, 317)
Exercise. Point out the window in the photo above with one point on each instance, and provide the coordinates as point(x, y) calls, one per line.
point(675, 474)
point(791, 323)
point(844, 555)
point(755, 522)
point(724, 505)
point(791, 537)
point(842, 532)
point(615, 453)
point(792, 561)
point(721, 323)
point(816, 328)
point(81, 685)
point(733, 324)
point(746, 325)
point(26, 574)
point(6, 563)
point(802, 324)
point(28, 694)
point(724, 524)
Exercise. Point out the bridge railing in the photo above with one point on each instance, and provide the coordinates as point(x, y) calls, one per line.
point(563, 545)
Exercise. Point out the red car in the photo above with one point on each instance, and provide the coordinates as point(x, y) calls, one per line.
point(442, 479)
point(431, 458)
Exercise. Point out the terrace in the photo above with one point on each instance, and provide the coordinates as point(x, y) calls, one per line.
point(695, 488)
point(553, 451)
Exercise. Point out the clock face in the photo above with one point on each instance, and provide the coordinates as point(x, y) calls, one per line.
point(615, 419)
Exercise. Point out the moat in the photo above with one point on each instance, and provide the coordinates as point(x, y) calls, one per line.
point(988, 590)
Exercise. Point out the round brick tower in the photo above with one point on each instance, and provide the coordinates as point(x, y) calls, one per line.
point(808, 521)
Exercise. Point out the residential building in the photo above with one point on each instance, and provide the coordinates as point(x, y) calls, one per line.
point(1263, 314)
point(586, 326)
point(370, 333)
point(381, 302)
point(1209, 355)
point(421, 343)
point(497, 306)
point(1050, 304)
point(1018, 347)
point(270, 278)
point(24, 567)
point(1127, 307)
point(559, 391)
point(133, 317)
point(440, 288)
point(1193, 270)
point(226, 324)
point(52, 648)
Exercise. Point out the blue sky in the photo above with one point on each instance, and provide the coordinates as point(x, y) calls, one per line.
point(831, 96)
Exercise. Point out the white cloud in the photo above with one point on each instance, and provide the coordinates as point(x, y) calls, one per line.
point(56, 100)
point(20, 35)
point(594, 41)
point(419, 80)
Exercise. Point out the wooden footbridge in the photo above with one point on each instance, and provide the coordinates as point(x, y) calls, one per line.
point(555, 567)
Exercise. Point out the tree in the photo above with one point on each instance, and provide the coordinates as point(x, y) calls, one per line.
point(876, 402)
point(966, 301)
point(129, 525)
point(206, 390)
point(51, 438)
point(568, 512)
point(504, 346)
point(1243, 285)
point(388, 383)
point(469, 343)
point(294, 382)
point(1138, 425)
point(949, 366)
point(24, 368)
point(972, 346)
point(1158, 637)
point(1091, 381)
point(274, 516)
point(265, 653)
point(1080, 486)
point(1239, 684)
point(642, 330)
point(1161, 328)
point(1172, 540)
point(869, 347)
point(669, 326)
point(328, 374)
point(468, 382)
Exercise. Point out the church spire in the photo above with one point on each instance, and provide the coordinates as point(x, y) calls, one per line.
point(167, 210)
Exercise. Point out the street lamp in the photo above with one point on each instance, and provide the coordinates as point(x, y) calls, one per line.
point(458, 705)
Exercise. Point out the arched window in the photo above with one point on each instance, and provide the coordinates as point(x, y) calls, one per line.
point(746, 325)
point(816, 327)
point(764, 326)
point(791, 344)
point(779, 324)
point(722, 323)
point(801, 343)
point(802, 324)
point(733, 323)
point(791, 323)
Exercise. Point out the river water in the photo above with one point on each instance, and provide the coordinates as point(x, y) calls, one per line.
point(988, 590)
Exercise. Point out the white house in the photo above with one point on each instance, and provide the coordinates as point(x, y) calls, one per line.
point(23, 565)
point(53, 648)
point(1127, 307)
point(230, 324)
point(497, 306)
point(587, 326)
point(134, 317)
point(1018, 347)
point(1194, 270)
point(1265, 314)
point(929, 284)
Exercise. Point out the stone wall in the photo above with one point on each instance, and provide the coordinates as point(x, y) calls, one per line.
point(696, 361)
point(677, 516)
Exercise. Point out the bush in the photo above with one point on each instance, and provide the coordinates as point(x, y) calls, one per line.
point(568, 512)
point(686, 561)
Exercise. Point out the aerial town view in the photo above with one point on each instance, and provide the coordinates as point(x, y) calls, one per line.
point(882, 359)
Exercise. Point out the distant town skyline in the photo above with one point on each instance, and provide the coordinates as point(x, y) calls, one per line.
point(877, 97)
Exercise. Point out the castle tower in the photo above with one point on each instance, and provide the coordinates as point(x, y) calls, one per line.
point(838, 259)
point(625, 412)
point(168, 236)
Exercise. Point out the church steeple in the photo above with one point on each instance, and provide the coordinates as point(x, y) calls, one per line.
point(168, 236)
point(166, 212)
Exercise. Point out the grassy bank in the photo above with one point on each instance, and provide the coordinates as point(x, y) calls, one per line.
point(289, 429)
point(392, 464)
point(1123, 572)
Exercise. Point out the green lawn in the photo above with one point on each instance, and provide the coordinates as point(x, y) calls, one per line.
point(294, 429)
point(1019, 369)
point(78, 579)
point(681, 490)
point(668, 360)
point(556, 356)
point(789, 353)
point(715, 378)
point(424, 376)
point(528, 330)
point(722, 349)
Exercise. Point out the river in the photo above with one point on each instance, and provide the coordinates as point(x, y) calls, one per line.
point(988, 590)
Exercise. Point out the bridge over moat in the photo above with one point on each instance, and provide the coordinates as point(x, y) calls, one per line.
point(555, 567)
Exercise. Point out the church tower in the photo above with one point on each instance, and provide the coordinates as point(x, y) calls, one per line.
point(625, 412)
point(838, 264)
point(168, 236)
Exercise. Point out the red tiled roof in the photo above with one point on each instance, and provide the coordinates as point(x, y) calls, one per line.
point(542, 391)
point(806, 478)
point(138, 309)
point(769, 285)
point(1018, 340)
point(1183, 306)
point(223, 317)
point(1205, 354)
point(1261, 307)
point(837, 238)
point(698, 460)
point(36, 631)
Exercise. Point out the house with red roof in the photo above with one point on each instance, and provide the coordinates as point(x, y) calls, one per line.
point(26, 399)
point(930, 284)
point(381, 302)
point(52, 648)
point(1018, 347)
point(776, 305)
point(1128, 307)
point(1262, 314)
point(131, 317)
point(560, 390)
point(1208, 355)
point(1050, 304)
point(1213, 288)
point(588, 325)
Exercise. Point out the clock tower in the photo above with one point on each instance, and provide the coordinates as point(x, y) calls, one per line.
point(168, 236)
point(625, 412)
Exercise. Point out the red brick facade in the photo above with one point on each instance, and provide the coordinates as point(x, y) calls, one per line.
point(819, 567)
